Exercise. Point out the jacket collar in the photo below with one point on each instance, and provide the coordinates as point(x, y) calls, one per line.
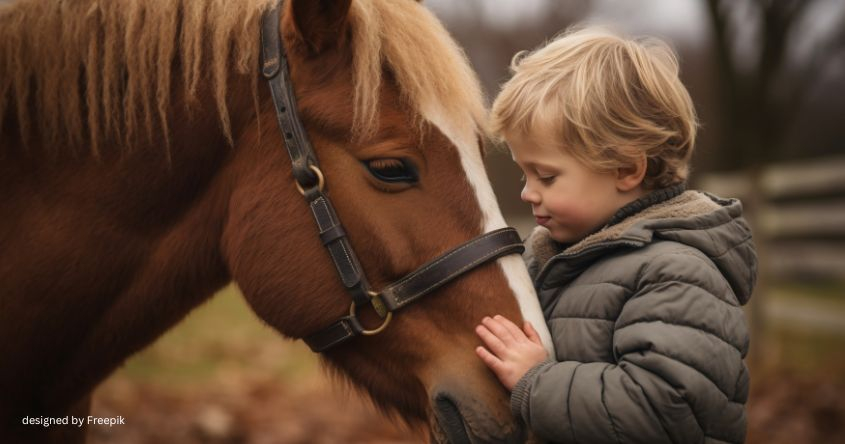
point(633, 226)
point(545, 247)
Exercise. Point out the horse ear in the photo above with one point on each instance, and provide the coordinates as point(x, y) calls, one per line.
point(320, 23)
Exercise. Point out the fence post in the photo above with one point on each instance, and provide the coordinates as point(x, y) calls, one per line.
point(756, 202)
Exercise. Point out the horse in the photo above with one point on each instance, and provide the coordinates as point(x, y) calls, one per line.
point(142, 169)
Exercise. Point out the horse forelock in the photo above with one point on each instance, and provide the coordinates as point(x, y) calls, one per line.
point(430, 69)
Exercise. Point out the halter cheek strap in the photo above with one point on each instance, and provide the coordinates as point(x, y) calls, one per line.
point(306, 170)
point(310, 183)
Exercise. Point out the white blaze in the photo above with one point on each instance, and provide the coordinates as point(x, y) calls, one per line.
point(465, 139)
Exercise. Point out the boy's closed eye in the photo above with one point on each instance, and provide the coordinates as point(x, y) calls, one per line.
point(547, 179)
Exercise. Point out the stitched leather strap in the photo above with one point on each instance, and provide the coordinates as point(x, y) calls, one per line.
point(275, 70)
point(451, 265)
point(303, 158)
point(425, 280)
point(341, 331)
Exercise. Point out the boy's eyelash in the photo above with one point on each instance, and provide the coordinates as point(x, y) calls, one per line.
point(545, 179)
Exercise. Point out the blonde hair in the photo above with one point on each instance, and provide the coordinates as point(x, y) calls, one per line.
point(431, 70)
point(90, 69)
point(604, 99)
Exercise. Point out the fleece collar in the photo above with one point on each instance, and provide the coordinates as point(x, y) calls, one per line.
point(682, 206)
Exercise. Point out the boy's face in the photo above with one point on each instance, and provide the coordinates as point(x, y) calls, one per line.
point(566, 197)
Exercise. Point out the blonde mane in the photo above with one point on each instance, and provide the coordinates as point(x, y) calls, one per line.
point(91, 69)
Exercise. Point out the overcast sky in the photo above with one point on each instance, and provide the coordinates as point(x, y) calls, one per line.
point(679, 19)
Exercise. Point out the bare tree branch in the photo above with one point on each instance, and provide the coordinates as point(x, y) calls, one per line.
point(755, 115)
point(719, 24)
point(728, 78)
point(820, 60)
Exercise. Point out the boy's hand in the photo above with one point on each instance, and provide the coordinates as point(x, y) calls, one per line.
point(514, 352)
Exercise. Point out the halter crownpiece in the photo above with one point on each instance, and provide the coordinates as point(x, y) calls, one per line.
point(310, 182)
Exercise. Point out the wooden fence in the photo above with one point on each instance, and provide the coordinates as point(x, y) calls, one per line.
point(801, 218)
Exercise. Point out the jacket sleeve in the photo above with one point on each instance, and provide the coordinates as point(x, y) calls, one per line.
point(679, 377)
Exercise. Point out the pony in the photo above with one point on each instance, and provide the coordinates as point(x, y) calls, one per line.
point(141, 170)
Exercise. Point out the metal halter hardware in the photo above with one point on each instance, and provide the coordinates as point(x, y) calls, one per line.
point(310, 182)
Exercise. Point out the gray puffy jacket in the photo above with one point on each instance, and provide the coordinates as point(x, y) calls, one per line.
point(647, 324)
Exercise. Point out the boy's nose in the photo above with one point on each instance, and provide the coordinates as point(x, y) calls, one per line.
point(529, 196)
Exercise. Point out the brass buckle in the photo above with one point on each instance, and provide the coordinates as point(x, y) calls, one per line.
point(321, 181)
point(377, 304)
point(379, 307)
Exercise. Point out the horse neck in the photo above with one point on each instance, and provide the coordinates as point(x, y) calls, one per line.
point(108, 253)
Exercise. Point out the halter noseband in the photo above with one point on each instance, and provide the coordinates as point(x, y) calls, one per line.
point(310, 183)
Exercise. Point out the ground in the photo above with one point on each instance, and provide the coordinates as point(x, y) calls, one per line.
point(223, 377)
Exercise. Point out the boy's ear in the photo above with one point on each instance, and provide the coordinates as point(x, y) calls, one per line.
point(630, 177)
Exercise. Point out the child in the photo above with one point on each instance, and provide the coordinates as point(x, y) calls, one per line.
point(641, 282)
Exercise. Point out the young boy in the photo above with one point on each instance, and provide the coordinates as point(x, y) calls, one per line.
point(641, 282)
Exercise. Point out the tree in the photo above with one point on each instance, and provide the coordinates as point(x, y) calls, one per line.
point(761, 97)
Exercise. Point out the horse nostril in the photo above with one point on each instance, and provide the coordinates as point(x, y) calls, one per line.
point(450, 420)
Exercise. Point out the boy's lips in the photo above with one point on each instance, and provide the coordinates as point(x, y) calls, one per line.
point(542, 220)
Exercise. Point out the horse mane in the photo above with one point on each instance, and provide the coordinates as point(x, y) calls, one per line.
point(101, 67)
point(85, 70)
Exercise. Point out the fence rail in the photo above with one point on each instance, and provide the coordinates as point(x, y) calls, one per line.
point(801, 218)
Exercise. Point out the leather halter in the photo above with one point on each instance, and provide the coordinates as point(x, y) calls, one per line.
point(310, 182)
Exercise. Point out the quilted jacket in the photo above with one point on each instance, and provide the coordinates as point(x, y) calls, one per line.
point(647, 324)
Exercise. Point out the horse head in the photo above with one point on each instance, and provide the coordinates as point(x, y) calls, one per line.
point(395, 115)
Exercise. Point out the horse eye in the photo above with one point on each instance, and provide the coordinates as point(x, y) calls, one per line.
point(392, 170)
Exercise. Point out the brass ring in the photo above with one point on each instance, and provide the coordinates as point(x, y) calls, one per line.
point(377, 304)
point(321, 181)
point(377, 330)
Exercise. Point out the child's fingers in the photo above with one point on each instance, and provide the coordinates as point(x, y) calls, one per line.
point(498, 329)
point(510, 326)
point(491, 340)
point(532, 334)
point(489, 359)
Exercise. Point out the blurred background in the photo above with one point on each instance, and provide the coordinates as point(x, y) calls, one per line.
point(768, 80)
